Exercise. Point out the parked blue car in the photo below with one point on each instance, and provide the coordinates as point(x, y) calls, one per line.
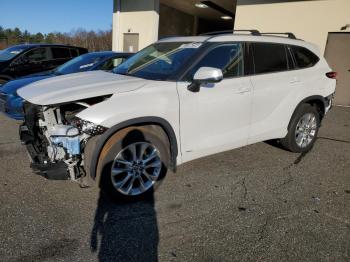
point(11, 104)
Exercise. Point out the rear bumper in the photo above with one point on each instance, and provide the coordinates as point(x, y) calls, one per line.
point(328, 103)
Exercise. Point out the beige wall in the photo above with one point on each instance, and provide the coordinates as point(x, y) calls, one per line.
point(135, 16)
point(309, 20)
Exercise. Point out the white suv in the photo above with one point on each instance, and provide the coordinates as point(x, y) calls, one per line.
point(178, 99)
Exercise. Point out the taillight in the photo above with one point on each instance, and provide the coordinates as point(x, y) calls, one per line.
point(332, 75)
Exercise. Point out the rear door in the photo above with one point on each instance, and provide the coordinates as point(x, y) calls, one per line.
point(274, 86)
point(217, 117)
point(34, 62)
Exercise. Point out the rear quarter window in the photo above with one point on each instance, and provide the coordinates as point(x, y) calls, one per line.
point(82, 51)
point(73, 52)
point(269, 58)
point(60, 53)
point(303, 57)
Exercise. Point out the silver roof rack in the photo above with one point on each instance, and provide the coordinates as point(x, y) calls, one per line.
point(251, 31)
point(288, 34)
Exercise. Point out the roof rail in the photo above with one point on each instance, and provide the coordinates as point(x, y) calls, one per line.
point(289, 35)
point(252, 31)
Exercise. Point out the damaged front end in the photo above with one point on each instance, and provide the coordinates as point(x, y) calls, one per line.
point(56, 139)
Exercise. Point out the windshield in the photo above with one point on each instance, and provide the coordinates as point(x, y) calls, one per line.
point(11, 52)
point(158, 61)
point(79, 64)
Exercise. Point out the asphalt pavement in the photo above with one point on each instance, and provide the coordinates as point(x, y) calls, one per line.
point(257, 203)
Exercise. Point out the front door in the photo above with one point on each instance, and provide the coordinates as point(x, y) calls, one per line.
point(33, 62)
point(217, 117)
point(338, 56)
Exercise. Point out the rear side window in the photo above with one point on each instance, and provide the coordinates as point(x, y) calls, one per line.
point(82, 51)
point(228, 58)
point(269, 58)
point(304, 57)
point(73, 52)
point(60, 52)
point(37, 54)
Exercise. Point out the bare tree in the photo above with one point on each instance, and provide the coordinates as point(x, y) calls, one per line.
point(94, 41)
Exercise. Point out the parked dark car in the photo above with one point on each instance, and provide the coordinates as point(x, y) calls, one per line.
point(11, 104)
point(22, 60)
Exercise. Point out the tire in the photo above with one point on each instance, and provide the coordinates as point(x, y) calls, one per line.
point(117, 164)
point(303, 129)
point(3, 81)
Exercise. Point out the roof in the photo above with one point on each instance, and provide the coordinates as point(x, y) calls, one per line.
point(243, 38)
point(109, 53)
point(44, 45)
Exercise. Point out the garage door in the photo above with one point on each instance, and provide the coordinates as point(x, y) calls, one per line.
point(338, 57)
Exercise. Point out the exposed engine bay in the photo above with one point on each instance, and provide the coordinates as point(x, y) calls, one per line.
point(56, 138)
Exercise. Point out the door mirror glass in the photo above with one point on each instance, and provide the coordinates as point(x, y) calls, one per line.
point(205, 75)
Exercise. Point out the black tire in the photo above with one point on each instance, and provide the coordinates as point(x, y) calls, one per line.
point(3, 81)
point(289, 142)
point(116, 143)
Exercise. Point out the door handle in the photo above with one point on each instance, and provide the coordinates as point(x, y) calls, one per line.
point(294, 80)
point(243, 89)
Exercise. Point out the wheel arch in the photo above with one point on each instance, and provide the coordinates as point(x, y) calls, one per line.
point(95, 145)
point(316, 100)
point(6, 77)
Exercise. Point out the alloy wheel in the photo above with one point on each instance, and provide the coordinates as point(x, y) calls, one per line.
point(306, 130)
point(136, 168)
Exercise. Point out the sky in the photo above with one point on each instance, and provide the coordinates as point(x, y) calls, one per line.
point(56, 15)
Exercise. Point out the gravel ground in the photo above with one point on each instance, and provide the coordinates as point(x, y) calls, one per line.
point(257, 203)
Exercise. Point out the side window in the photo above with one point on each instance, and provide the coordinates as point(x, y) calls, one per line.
point(304, 57)
point(111, 63)
point(269, 58)
point(228, 58)
point(73, 52)
point(37, 55)
point(82, 51)
point(60, 52)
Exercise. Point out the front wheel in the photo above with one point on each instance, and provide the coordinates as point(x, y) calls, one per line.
point(3, 81)
point(303, 129)
point(132, 163)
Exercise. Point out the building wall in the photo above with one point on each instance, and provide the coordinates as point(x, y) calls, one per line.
point(309, 20)
point(135, 16)
point(175, 22)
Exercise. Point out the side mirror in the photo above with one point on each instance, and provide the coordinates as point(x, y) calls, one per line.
point(205, 75)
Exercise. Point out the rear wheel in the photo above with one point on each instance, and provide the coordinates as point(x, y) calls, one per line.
point(303, 129)
point(132, 163)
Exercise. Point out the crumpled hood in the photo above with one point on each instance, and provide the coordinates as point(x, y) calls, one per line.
point(12, 86)
point(73, 87)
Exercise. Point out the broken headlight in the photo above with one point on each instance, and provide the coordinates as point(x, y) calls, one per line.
point(88, 127)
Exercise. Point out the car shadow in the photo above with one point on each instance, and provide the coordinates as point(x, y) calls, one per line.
point(274, 143)
point(125, 231)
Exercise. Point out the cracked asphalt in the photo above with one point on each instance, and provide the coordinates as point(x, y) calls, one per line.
point(257, 203)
